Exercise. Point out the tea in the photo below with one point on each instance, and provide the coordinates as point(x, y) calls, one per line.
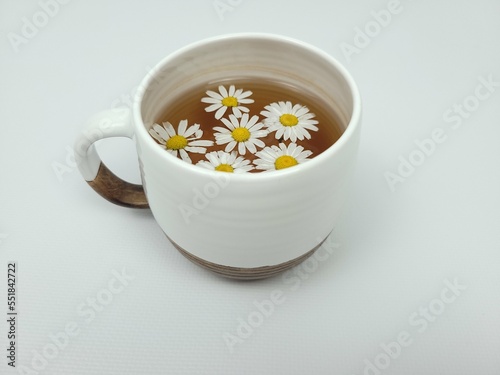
point(247, 125)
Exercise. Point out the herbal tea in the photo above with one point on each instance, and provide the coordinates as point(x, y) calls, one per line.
point(247, 126)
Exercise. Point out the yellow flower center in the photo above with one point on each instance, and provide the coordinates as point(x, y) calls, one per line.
point(224, 168)
point(241, 134)
point(177, 142)
point(289, 120)
point(285, 161)
point(230, 101)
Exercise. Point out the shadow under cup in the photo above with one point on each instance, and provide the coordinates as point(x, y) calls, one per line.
point(249, 225)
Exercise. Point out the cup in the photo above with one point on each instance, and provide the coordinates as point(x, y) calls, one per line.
point(245, 226)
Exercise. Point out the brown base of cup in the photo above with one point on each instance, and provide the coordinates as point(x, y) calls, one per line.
point(240, 273)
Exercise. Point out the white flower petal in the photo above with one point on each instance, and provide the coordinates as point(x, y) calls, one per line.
point(243, 121)
point(221, 129)
point(246, 94)
point(162, 132)
point(228, 123)
point(204, 143)
point(306, 134)
point(299, 110)
point(253, 120)
point(250, 146)
point(246, 168)
point(246, 101)
point(307, 118)
point(185, 156)
point(230, 146)
point(239, 162)
point(170, 129)
point(234, 122)
point(211, 101)
point(237, 111)
point(258, 143)
point(194, 129)
point(156, 136)
point(234, 158)
point(220, 112)
point(283, 107)
point(275, 112)
point(215, 95)
point(222, 157)
point(196, 150)
point(213, 107)
point(243, 170)
point(310, 127)
point(259, 133)
point(300, 133)
point(294, 150)
point(212, 159)
point(241, 148)
point(280, 151)
point(181, 129)
point(265, 157)
point(205, 164)
point(266, 113)
point(223, 138)
point(305, 154)
point(264, 166)
point(223, 91)
point(279, 133)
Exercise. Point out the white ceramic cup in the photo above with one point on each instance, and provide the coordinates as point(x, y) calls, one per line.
point(248, 225)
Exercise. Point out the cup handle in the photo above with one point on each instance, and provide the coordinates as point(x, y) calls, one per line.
point(107, 124)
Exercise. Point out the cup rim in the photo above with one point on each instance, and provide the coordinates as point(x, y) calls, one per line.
point(330, 152)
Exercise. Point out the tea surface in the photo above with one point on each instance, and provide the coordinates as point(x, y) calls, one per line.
point(209, 104)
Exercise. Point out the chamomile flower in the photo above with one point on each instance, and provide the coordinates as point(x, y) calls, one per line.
point(225, 99)
point(184, 141)
point(289, 122)
point(226, 162)
point(275, 158)
point(243, 132)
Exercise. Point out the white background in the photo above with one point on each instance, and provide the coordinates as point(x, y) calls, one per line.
point(393, 251)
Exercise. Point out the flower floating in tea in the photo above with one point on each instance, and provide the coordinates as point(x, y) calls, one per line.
point(226, 162)
point(238, 139)
point(225, 99)
point(243, 132)
point(181, 142)
point(276, 158)
point(289, 122)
